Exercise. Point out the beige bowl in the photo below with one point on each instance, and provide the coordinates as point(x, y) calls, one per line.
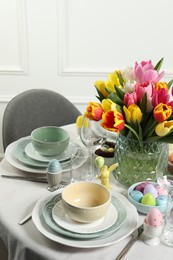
point(86, 201)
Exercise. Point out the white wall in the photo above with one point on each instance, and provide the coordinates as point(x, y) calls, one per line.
point(65, 45)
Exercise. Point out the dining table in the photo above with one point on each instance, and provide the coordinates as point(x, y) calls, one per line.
point(30, 241)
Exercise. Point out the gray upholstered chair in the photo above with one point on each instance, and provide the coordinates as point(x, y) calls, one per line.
point(35, 108)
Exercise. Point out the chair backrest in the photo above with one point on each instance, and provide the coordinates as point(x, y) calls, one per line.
point(35, 108)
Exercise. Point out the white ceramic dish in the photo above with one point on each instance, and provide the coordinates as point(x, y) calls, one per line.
point(11, 158)
point(33, 154)
point(129, 225)
point(47, 214)
point(65, 222)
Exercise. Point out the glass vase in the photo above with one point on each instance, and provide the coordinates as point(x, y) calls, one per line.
point(138, 160)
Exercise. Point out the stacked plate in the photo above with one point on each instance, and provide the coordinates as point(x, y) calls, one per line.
point(22, 155)
point(51, 220)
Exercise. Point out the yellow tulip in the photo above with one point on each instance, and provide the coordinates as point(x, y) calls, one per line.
point(112, 120)
point(164, 128)
point(107, 105)
point(112, 80)
point(79, 121)
point(162, 112)
point(133, 112)
point(160, 85)
point(94, 111)
point(100, 85)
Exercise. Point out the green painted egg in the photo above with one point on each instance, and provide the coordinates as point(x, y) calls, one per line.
point(99, 162)
point(148, 199)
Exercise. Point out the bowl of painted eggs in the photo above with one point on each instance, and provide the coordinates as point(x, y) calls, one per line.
point(147, 195)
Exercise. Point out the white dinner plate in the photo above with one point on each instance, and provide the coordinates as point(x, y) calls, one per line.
point(128, 226)
point(11, 158)
point(61, 218)
point(47, 214)
point(33, 154)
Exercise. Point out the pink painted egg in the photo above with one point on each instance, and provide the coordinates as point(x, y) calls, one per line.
point(154, 218)
point(140, 187)
point(161, 191)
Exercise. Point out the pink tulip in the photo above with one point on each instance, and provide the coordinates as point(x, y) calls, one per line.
point(141, 89)
point(160, 96)
point(145, 72)
point(130, 99)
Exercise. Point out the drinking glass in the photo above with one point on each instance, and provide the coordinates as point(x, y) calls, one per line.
point(81, 165)
point(91, 133)
point(165, 180)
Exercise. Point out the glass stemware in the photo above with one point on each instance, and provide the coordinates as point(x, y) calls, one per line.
point(165, 180)
point(91, 133)
point(93, 136)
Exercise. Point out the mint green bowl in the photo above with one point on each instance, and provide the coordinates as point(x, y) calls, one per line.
point(50, 140)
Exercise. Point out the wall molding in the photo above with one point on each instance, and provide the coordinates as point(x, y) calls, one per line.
point(22, 68)
point(74, 99)
point(64, 68)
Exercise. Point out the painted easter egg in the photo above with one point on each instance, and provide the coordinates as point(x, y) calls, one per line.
point(148, 199)
point(149, 188)
point(154, 218)
point(161, 200)
point(136, 195)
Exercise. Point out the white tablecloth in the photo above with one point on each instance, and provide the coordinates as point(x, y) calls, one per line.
point(17, 199)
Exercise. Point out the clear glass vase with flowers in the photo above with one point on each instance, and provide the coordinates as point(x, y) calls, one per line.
point(137, 105)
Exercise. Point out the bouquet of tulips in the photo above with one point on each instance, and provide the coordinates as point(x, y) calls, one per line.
point(136, 103)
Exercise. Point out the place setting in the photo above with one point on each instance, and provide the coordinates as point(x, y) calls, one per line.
point(97, 218)
point(33, 153)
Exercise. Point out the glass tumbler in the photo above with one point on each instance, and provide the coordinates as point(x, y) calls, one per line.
point(82, 165)
point(168, 228)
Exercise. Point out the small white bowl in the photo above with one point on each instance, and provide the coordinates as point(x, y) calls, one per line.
point(86, 201)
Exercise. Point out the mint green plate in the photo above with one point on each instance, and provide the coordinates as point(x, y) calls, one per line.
point(22, 157)
point(47, 214)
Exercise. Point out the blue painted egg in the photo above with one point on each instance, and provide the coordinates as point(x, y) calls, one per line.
point(136, 195)
point(161, 201)
point(54, 166)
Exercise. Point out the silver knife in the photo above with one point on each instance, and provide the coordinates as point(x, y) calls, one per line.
point(25, 178)
point(135, 235)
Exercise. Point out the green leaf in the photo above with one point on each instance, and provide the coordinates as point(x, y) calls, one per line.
point(143, 104)
point(120, 78)
point(113, 96)
point(101, 96)
point(170, 83)
point(120, 92)
point(147, 125)
point(139, 131)
point(159, 65)
point(119, 108)
point(133, 131)
point(109, 92)
point(164, 139)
